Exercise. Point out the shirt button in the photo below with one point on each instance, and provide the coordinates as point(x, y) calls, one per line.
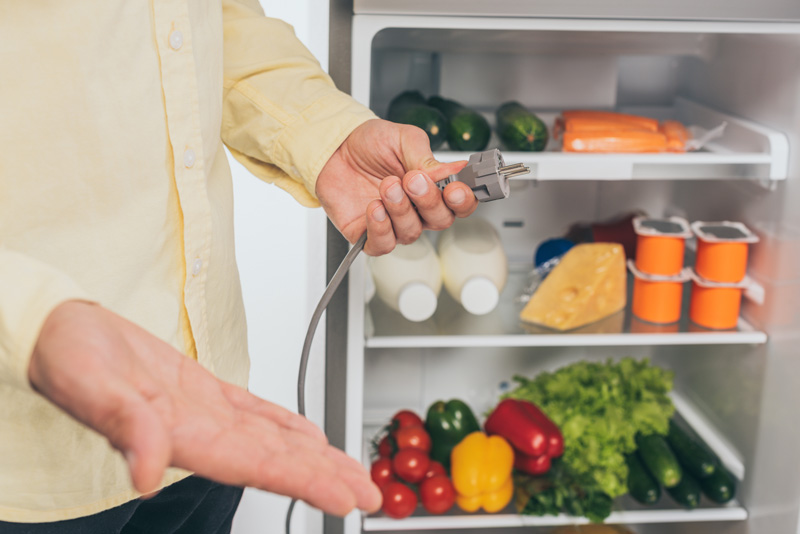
point(176, 39)
point(188, 158)
point(198, 264)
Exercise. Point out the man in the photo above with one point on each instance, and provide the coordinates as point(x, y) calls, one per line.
point(120, 306)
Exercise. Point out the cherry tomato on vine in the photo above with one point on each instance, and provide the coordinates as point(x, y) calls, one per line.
point(435, 468)
point(413, 437)
point(399, 500)
point(437, 494)
point(405, 418)
point(385, 447)
point(381, 472)
point(410, 465)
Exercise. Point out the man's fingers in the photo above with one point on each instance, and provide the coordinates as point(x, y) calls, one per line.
point(380, 233)
point(273, 463)
point(134, 428)
point(406, 223)
point(244, 400)
point(460, 199)
point(428, 200)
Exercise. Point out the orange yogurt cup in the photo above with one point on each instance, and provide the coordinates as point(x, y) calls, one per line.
point(722, 249)
point(657, 299)
point(715, 305)
point(660, 245)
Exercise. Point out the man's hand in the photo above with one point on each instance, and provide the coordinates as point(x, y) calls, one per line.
point(160, 408)
point(360, 187)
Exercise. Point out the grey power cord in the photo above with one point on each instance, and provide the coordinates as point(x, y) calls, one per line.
point(486, 174)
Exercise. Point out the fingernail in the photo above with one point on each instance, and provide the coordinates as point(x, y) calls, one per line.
point(418, 185)
point(395, 193)
point(379, 214)
point(132, 460)
point(456, 197)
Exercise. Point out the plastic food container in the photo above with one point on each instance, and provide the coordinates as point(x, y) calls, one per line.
point(657, 299)
point(715, 305)
point(660, 244)
point(722, 250)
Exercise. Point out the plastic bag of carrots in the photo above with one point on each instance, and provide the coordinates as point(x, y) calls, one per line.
point(608, 131)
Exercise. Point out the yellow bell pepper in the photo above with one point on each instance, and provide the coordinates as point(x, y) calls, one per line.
point(481, 466)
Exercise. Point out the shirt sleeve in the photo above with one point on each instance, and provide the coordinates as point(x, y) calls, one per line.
point(283, 117)
point(29, 291)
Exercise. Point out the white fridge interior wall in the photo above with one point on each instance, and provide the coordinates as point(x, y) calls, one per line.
point(280, 249)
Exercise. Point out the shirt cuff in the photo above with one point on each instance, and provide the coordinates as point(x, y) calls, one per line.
point(325, 126)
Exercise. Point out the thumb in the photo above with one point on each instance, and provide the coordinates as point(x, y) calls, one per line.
point(417, 155)
point(134, 428)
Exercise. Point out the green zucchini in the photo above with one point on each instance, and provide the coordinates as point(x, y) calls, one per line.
point(720, 487)
point(641, 484)
point(519, 129)
point(467, 130)
point(659, 459)
point(406, 98)
point(693, 454)
point(687, 492)
point(409, 107)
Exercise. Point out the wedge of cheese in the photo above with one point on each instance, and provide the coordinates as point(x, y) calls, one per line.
point(587, 285)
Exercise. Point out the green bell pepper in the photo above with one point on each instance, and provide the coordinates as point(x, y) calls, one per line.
point(447, 424)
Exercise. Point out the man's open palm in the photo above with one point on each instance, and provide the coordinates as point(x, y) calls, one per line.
point(161, 408)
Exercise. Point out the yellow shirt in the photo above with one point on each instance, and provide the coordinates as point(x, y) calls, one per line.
point(114, 187)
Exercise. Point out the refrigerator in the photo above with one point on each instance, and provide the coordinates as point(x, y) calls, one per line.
point(703, 63)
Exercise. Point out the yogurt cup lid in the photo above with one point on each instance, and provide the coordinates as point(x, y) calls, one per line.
point(667, 227)
point(417, 302)
point(681, 277)
point(723, 232)
point(702, 282)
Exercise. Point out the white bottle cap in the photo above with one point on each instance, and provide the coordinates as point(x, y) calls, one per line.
point(417, 302)
point(479, 295)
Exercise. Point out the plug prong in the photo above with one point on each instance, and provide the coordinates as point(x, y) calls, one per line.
point(508, 168)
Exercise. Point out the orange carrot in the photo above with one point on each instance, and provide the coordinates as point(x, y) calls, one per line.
point(615, 141)
point(676, 134)
point(646, 123)
point(582, 123)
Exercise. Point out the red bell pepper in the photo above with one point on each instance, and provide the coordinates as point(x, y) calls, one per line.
point(531, 433)
point(555, 439)
point(533, 465)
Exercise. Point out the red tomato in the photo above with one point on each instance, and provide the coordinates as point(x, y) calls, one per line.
point(437, 494)
point(405, 418)
point(410, 465)
point(435, 468)
point(413, 437)
point(381, 472)
point(399, 500)
point(385, 447)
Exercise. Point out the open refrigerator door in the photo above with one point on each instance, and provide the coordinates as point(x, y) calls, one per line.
point(733, 387)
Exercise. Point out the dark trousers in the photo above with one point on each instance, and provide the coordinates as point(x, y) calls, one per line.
point(192, 506)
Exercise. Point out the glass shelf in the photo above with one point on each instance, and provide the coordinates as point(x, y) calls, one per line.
point(452, 326)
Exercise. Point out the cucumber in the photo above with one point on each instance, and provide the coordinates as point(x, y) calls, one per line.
point(720, 487)
point(519, 129)
point(467, 129)
point(659, 459)
point(641, 484)
point(406, 109)
point(402, 100)
point(687, 492)
point(693, 454)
